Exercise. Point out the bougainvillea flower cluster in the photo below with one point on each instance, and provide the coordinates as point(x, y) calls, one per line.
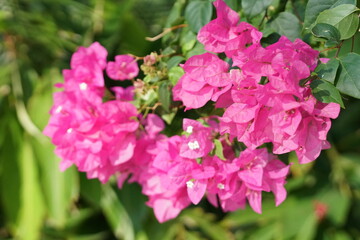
point(265, 96)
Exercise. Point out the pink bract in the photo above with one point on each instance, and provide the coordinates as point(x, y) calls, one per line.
point(125, 67)
point(225, 33)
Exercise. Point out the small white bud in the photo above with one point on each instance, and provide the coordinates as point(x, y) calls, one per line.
point(189, 129)
point(190, 184)
point(83, 86)
point(58, 109)
point(221, 186)
point(194, 145)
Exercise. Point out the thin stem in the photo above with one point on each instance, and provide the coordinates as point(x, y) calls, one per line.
point(21, 112)
point(263, 19)
point(327, 49)
point(352, 43)
point(338, 50)
point(165, 31)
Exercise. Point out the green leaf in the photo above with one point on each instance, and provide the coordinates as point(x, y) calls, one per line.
point(326, 92)
point(349, 77)
point(90, 189)
point(233, 4)
point(342, 18)
point(308, 228)
point(165, 96)
point(197, 50)
point(168, 118)
point(175, 74)
point(60, 189)
point(197, 14)
point(349, 26)
point(211, 229)
point(219, 149)
point(10, 170)
point(253, 8)
point(314, 8)
point(32, 209)
point(327, 71)
point(174, 61)
point(187, 40)
point(287, 24)
point(338, 205)
point(116, 214)
point(340, 2)
point(326, 31)
point(175, 14)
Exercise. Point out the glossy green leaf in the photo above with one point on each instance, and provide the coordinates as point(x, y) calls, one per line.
point(340, 2)
point(314, 8)
point(342, 18)
point(326, 31)
point(165, 95)
point(197, 14)
point(349, 26)
point(287, 24)
point(349, 77)
point(253, 8)
point(326, 92)
point(327, 71)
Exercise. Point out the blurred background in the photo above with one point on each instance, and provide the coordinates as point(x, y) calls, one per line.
point(37, 201)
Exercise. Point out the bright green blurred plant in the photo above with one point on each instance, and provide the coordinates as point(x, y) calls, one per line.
point(37, 201)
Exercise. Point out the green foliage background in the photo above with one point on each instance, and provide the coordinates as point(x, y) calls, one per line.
point(37, 201)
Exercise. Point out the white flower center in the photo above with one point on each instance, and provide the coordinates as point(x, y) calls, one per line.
point(189, 129)
point(190, 184)
point(58, 109)
point(194, 145)
point(221, 186)
point(69, 130)
point(83, 86)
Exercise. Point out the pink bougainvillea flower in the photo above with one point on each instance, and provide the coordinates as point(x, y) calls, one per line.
point(198, 143)
point(124, 67)
point(225, 34)
point(206, 78)
point(263, 97)
point(124, 94)
point(95, 53)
